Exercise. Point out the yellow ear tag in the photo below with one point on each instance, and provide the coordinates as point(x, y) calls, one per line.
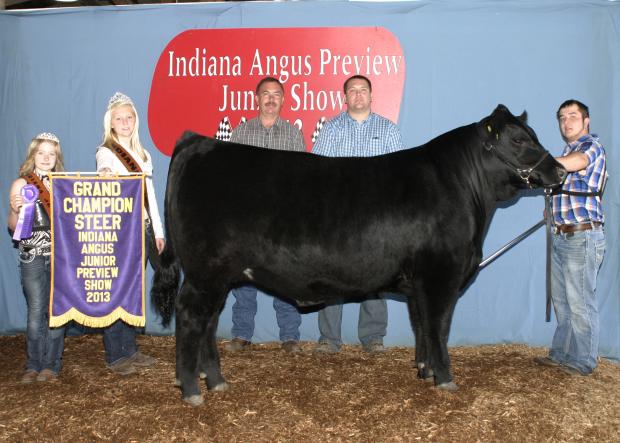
point(497, 136)
point(489, 128)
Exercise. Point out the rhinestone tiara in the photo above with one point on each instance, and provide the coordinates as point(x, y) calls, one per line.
point(119, 97)
point(48, 136)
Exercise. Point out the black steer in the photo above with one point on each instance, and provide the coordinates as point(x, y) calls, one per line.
point(317, 228)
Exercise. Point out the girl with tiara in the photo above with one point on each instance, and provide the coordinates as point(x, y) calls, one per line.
point(29, 195)
point(121, 141)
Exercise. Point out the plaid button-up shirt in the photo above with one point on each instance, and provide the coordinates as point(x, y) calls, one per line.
point(282, 135)
point(345, 137)
point(575, 209)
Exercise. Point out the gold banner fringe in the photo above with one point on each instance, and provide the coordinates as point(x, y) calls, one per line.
point(98, 322)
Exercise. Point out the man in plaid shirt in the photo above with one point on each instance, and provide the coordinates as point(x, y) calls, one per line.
point(358, 132)
point(267, 130)
point(578, 244)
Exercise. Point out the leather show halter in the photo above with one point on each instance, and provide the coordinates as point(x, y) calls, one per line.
point(524, 173)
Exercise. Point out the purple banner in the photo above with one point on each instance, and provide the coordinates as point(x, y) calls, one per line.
point(97, 250)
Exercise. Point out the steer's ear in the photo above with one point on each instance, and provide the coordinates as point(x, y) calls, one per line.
point(487, 129)
point(523, 117)
point(501, 108)
point(186, 136)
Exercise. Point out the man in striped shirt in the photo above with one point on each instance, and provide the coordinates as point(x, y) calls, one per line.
point(578, 244)
point(358, 132)
point(267, 130)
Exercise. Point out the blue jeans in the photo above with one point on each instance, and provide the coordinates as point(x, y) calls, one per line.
point(576, 260)
point(244, 311)
point(119, 339)
point(371, 324)
point(44, 345)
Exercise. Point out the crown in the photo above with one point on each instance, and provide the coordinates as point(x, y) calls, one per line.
point(48, 136)
point(119, 97)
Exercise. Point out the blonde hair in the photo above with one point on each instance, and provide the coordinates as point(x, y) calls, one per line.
point(28, 166)
point(109, 136)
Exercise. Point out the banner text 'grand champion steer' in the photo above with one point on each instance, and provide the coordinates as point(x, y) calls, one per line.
point(97, 250)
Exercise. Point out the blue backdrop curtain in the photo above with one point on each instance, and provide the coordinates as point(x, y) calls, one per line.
point(58, 67)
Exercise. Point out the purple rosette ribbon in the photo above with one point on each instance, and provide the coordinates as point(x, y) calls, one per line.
point(29, 193)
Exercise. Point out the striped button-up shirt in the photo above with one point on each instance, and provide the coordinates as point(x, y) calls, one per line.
point(345, 137)
point(282, 135)
point(574, 209)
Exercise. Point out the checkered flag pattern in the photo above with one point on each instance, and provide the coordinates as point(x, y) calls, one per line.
point(317, 129)
point(224, 130)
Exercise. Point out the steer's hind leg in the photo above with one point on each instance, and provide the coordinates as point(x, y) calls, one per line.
point(209, 355)
point(196, 318)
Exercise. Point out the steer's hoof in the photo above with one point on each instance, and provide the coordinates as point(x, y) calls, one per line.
point(425, 372)
point(221, 387)
point(448, 386)
point(194, 400)
point(427, 377)
point(177, 382)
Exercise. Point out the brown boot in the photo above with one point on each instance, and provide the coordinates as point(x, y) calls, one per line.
point(291, 346)
point(237, 344)
point(374, 347)
point(29, 376)
point(47, 375)
point(546, 361)
point(122, 367)
point(140, 359)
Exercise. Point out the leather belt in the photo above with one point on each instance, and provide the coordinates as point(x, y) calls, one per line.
point(567, 229)
point(36, 250)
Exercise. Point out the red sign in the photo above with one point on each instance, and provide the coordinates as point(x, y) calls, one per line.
point(206, 75)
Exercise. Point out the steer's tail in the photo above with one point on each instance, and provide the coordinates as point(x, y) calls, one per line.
point(168, 272)
point(166, 283)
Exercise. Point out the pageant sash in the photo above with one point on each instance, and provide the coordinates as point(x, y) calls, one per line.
point(44, 194)
point(97, 250)
point(23, 229)
point(132, 166)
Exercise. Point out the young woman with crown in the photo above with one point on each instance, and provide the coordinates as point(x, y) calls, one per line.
point(29, 221)
point(121, 140)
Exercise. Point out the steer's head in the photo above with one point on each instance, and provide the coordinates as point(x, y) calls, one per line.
point(513, 152)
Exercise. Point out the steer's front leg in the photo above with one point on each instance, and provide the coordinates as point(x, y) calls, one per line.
point(417, 317)
point(440, 359)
